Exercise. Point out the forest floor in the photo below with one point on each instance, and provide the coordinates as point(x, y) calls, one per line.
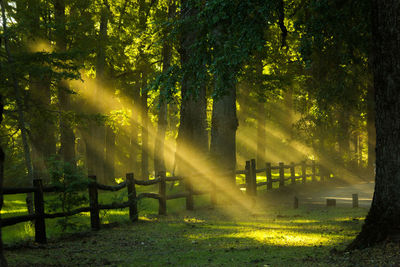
point(271, 234)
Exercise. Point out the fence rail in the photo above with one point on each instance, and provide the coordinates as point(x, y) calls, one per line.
point(251, 172)
point(94, 207)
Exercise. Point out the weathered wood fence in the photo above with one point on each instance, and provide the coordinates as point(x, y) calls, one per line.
point(94, 207)
point(313, 170)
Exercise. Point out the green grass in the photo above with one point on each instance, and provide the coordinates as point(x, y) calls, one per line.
point(14, 205)
point(267, 235)
point(208, 237)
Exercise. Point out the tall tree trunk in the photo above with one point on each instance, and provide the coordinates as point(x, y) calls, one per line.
point(67, 138)
point(145, 129)
point(42, 132)
point(261, 114)
point(223, 131)
point(134, 129)
point(3, 261)
point(192, 138)
point(159, 160)
point(95, 144)
point(383, 219)
point(99, 131)
point(144, 9)
point(371, 131)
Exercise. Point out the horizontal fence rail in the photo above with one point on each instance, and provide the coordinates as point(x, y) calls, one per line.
point(130, 183)
point(313, 170)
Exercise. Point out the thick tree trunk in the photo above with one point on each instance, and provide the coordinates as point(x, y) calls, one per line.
point(3, 261)
point(67, 138)
point(223, 131)
point(371, 131)
point(192, 138)
point(159, 160)
point(144, 9)
point(42, 133)
point(383, 220)
point(96, 142)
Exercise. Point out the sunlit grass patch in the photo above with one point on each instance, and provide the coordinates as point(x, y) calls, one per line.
point(214, 237)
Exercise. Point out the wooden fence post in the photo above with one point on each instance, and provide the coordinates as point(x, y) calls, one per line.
point(94, 203)
point(355, 200)
point(304, 171)
point(313, 178)
point(248, 177)
point(253, 177)
point(40, 225)
point(281, 175)
point(130, 185)
point(292, 172)
point(162, 202)
point(189, 198)
point(268, 174)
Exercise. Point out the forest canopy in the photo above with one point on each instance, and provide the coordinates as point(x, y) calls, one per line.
point(111, 87)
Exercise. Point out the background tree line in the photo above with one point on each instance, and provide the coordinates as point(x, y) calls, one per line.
point(116, 86)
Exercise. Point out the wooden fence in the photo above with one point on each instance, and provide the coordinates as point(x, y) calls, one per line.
point(306, 171)
point(94, 207)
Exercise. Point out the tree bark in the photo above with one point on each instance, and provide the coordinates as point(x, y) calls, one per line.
point(42, 133)
point(134, 129)
point(67, 137)
point(96, 142)
point(100, 131)
point(192, 138)
point(145, 129)
point(261, 114)
point(371, 131)
point(143, 63)
point(223, 131)
point(159, 160)
point(383, 219)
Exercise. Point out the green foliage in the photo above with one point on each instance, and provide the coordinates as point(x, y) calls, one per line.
point(72, 181)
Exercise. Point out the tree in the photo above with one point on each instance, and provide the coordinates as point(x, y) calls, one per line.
point(67, 137)
point(192, 134)
point(383, 219)
point(159, 144)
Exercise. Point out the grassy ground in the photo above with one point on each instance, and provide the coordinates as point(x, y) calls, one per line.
point(268, 235)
